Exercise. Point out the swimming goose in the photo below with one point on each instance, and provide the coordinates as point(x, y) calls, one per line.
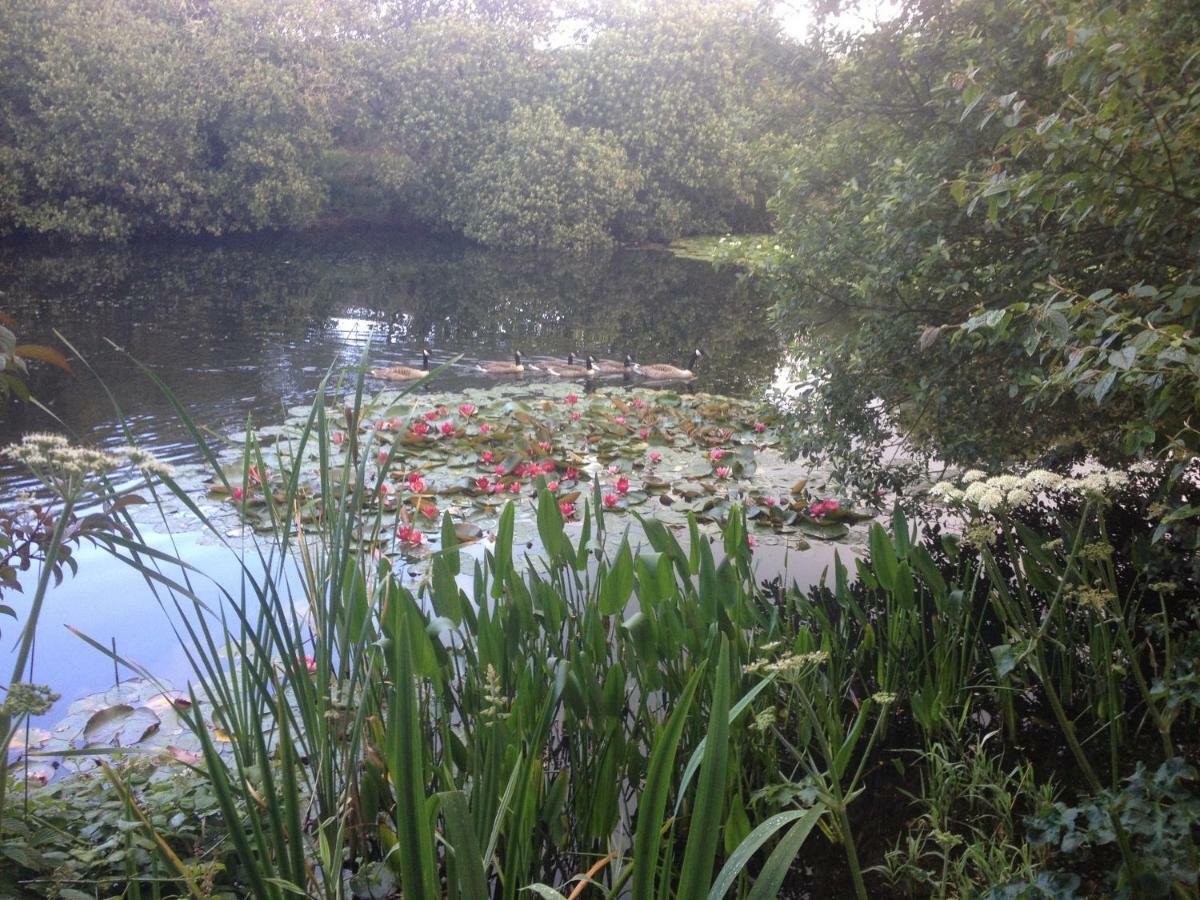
point(404, 373)
point(573, 371)
point(663, 371)
point(613, 367)
point(516, 367)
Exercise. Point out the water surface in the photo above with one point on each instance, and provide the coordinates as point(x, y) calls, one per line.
point(246, 328)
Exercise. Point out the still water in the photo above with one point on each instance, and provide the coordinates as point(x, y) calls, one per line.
point(246, 328)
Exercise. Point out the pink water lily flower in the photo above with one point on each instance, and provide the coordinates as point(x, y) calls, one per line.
point(431, 415)
point(639, 402)
point(487, 456)
point(572, 473)
point(544, 446)
point(310, 664)
point(552, 487)
point(420, 428)
point(447, 429)
point(760, 427)
point(716, 454)
point(467, 410)
point(238, 493)
point(338, 437)
point(575, 415)
point(383, 457)
point(723, 471)
point(567, 509)
point(620, 420)
point(644, 433)
point(499, 470)
point(613, 470)
point(611, 500)
point(485, 428)
point(622, 485)
point(571, 399)
point(822, 507)
point(482, 483)
point(409, 534)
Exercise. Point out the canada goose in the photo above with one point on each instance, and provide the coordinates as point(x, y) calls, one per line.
point(516, 367)
point(404, 373)
point(663, 371)
point(613, 367)
point(573, 371)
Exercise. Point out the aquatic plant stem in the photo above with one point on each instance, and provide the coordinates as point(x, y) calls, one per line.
point(9, 723)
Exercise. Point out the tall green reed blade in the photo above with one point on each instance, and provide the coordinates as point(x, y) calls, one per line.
point(465, 859)
point(406, 761)
point(752, 842)
point(704, 829)
point(652, 803)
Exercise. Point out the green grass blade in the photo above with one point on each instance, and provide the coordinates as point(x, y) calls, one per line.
point(749, 846)
point(652, 803)
point(766, 886)
point(704, 830)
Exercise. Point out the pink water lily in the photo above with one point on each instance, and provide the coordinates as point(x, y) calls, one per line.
point(499, 470)
point(431, 415)
point(760, 427)
point(544, 446)
point(567, 509)
point(416, 483)
point(310, 664)
point(485, 428)
point(338, 437)
point(487, 456)
point(716, 454)
point(429, 510)
point(575, 415)
point(409, 534)
point(420, 428)
point(611, 500)
point(383, 457)
point(655, 456)
point(238, 493)
point(447, 429)
point(644, 433)
point(514, 487)
point(571, 399)
point(620, 420)
point(639, 402)
point(622, 485)
point(552, 487)
point(823, 507)
point(724, 471)
point(482, 483)
point(572, 473)
point(467, 410)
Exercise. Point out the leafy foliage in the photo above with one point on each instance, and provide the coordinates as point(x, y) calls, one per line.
point(1005, 189)
point(129, 118)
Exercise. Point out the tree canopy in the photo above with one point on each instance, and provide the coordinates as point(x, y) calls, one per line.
point(128, 117)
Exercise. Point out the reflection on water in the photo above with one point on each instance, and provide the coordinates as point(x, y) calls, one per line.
point(245, 327)
point(249, 327)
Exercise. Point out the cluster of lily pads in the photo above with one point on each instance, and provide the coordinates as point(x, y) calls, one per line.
point(659, 453)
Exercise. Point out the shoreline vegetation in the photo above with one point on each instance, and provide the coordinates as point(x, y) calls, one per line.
point(984, 220)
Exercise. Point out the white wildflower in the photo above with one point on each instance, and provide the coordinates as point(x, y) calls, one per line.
point(1004, 483)
point(972, 475)
point(1042, 480)
point(989, 500)
point(946, 491)
point(1018, 497)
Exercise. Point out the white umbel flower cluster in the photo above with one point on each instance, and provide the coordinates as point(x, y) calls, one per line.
point(1006, 492)
point(52, 458)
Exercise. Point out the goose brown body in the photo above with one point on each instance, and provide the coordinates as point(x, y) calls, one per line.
point(664, 372)
point(516, 367)
point(404, 373)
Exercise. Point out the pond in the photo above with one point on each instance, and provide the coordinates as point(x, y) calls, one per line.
point(247, 328)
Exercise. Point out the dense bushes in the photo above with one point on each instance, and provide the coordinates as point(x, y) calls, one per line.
point(124, 118)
